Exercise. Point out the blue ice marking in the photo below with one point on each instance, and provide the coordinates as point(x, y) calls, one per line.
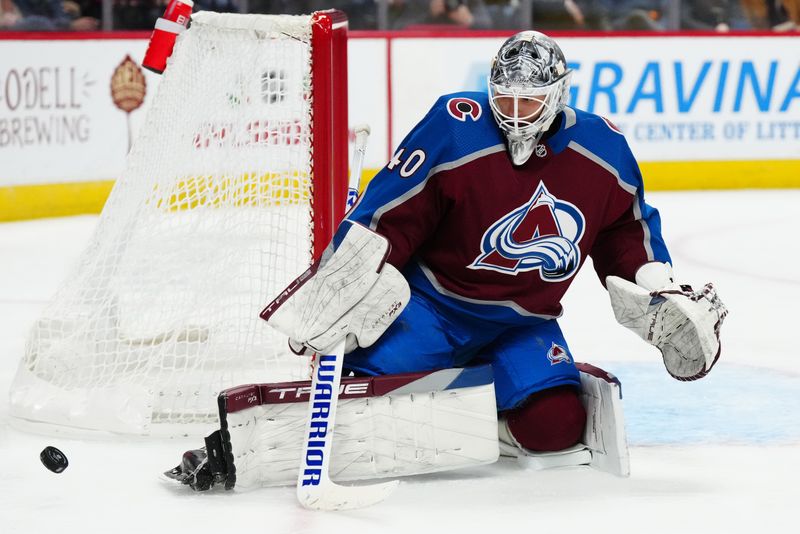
point(734, 404)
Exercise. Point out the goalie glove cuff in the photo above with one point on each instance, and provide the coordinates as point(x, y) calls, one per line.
point(655, 276)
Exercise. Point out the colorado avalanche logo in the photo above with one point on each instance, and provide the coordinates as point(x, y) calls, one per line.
point(542, 234)
point(557, 354)
point(461, 108)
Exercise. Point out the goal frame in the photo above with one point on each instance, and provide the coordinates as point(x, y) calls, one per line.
point(329, 107)
point(328, 172)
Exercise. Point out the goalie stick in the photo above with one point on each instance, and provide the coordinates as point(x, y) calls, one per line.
point(315, 489)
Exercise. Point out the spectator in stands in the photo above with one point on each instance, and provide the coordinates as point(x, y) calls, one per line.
point(89, 8)
point(45, 15)
point(785, 15)
point(361, 14)
point(706, 15)
point(792, 8)
point(568, 14)
point(634, 15)
point(506, 14)
point(756, 13)
point(594, 14)
point(282, 7)
point(137, 14)
point(220, 6)
point(8, 14)
point(549, 14)
point(466, 14)
point(780, 15)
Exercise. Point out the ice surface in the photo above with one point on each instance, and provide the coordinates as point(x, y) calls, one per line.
point(718, 455)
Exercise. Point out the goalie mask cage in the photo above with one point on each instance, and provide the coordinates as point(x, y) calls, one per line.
point(236, 181)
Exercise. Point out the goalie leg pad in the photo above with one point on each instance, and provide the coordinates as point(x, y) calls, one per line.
point(387, 426)
point(603, 444)
point(604, 435)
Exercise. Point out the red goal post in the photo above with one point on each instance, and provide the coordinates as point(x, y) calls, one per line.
point(329, 60)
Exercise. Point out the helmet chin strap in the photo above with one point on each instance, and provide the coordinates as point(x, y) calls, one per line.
point(522, 148)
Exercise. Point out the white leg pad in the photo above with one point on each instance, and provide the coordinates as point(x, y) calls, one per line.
point(429, 423)
point(605, 422)
point(604, 444)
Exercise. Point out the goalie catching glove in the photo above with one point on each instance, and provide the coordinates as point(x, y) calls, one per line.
point(350, 292)
point(684, 324)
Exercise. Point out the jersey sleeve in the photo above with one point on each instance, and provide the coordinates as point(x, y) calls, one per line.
point(633, 237)
point(402, 201)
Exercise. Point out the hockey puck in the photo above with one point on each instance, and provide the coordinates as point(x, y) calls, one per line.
point(53, 459)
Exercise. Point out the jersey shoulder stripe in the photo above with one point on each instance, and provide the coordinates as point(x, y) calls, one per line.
point(601, 141)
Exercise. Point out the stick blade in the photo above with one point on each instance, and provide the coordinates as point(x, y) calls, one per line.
point(336, 497)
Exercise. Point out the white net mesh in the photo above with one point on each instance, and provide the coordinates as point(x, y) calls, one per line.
point(211, 219)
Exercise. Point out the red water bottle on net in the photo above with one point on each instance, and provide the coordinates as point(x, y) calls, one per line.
point(174, 21)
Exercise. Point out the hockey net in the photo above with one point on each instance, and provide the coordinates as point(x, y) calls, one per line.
point(235, 182)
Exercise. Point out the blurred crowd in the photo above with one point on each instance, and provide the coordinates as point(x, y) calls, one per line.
point(47, 15)
point(598, 15)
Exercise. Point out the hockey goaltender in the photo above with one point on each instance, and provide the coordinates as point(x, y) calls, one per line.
point(446, 278)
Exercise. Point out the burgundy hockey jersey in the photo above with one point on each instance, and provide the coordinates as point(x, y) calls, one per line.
point(475, 233)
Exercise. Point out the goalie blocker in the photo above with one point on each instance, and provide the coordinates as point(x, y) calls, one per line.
point(349, 293)
point(390, 426)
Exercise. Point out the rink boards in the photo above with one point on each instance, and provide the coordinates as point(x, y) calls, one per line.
point(700, 112)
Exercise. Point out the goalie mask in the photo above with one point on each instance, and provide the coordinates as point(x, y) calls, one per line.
point(528, 88)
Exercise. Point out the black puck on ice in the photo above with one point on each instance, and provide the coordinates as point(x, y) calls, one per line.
point(54, 459)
